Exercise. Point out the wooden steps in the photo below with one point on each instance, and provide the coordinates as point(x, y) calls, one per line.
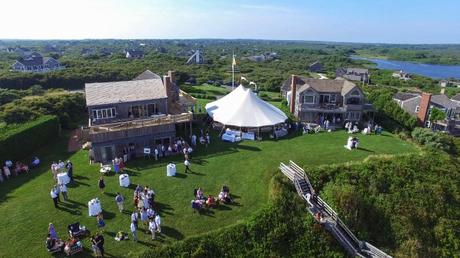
point(330, 219)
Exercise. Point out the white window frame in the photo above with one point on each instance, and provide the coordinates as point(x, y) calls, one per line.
point(308, 95)
point(104, 113)
point(417, 109)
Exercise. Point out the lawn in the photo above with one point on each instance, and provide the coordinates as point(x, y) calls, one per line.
point(26, 207)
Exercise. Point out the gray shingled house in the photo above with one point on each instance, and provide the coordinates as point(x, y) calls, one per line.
point(34, 62)
point(128, 116)
point(315, 100)
point(413, 102)
point(353, 74)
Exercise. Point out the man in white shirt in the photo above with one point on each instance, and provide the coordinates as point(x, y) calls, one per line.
point(158, 222)
point(134, 217)
point(63, 189)
point(187, 166)
point(152, 228)
point(54, 196)
point(134, 231)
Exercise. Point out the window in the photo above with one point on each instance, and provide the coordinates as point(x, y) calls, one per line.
point(308, 99)
point(354, 101)
point(417, 108)
point(140, 111)
point(333, 98)
point(104, 113)
point(324, 98)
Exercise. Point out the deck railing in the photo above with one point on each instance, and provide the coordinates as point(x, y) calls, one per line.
point(140, 123)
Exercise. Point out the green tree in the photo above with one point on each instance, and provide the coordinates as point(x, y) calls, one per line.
point(437, 115)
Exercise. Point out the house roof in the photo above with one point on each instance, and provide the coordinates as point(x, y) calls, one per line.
point(320, 85)
point(135, 52)
point(124, 91)
point(357, 70)
point(456, 97)
point(443, 100)
point(147, 74)
point(405, 96)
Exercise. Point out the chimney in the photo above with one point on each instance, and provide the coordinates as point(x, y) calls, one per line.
point(443, 90)
point(293, 93)
point(174, 88)
point(172, 76)
point(424, 106)
point(167, 83)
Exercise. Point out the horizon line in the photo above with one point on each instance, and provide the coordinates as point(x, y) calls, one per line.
point(211, 38)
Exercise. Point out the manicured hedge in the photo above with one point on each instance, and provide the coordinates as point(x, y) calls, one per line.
point(18, 141)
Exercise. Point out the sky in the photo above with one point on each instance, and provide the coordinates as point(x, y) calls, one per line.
point(374, 21)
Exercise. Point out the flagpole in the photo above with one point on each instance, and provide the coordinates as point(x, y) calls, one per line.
point(233, 71)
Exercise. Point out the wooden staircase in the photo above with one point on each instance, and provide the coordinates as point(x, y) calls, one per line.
point(330, 220)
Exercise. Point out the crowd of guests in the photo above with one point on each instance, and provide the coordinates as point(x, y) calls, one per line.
point(202, 201)
point(60, 188)
point(73, 244)
point(13, 169)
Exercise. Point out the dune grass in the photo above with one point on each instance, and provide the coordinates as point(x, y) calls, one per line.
point(26, 207)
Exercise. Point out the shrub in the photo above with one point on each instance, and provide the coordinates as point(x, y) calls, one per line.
point(18, 141)
point(436, 140)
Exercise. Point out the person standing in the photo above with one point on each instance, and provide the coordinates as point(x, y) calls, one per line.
point(119, 199)
point(158, 222)
point(69, 167)
point(134, 231)
point(100, 221)
point(187, 166)
point(7, 172)
point(152, 228)
point(63, 189)
point(134, 217)
point(100, 243)
point(156, 153)
point(52, 231)
point(57, 191)
point(54, 196)
point(101, 184)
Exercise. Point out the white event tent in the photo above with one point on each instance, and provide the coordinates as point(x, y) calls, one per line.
point(242, 108)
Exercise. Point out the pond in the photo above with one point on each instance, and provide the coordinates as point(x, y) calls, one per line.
point(429, 70)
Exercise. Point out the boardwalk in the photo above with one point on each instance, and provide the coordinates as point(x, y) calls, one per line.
point(328, 218)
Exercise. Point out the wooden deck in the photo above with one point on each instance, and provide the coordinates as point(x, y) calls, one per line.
point(330, 220)
point(142, 123)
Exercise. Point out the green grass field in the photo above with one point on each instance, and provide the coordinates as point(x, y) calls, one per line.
point(26, 207)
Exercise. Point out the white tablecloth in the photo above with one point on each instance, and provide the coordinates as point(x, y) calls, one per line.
point(248, 136)
point(94, 207)
point(170, 170)
point(281, 132)
point(63, 178)
point(124, 180)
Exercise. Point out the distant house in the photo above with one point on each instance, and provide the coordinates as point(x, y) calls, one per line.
point(315, 100)
point(401, 75)
point(316, 67)
point(353, 74)
point(420, 106)
point(126, 117)
point(456, 99)
point(268, 56)
point(134, 54)
point(196, 58)
point(36, 63)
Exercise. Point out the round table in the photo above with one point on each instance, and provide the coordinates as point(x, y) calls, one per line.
point(105, 169)
point(63, 178)
point(170, 170)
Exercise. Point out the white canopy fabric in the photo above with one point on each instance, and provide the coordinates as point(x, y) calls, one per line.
point(242, 108)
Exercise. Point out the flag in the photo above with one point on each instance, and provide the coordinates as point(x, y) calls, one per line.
point(233, 62)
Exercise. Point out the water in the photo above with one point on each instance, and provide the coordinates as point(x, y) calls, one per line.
point(429, 70)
